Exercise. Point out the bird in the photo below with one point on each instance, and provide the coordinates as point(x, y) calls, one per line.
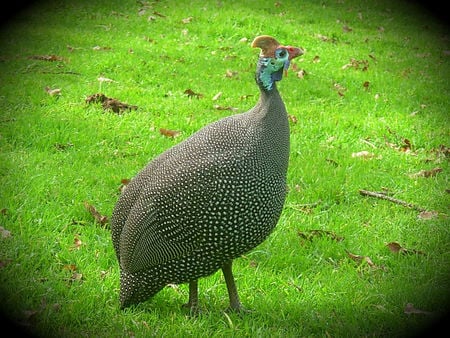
point(209, 199)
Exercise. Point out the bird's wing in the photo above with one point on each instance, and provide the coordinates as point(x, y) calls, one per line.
point(166, 219)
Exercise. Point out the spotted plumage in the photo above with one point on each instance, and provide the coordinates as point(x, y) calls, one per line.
point(210, 198)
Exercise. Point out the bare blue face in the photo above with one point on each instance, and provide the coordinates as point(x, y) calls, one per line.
point(270, 69)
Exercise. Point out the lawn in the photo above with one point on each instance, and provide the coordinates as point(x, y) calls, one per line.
point(362, 246)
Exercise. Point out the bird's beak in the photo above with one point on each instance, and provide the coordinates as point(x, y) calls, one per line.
point(293, 53)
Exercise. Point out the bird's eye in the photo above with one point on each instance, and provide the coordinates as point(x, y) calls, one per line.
point(280, 53)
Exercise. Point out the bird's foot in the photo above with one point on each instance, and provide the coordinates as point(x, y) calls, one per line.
point(238, 308)
point(193, 309)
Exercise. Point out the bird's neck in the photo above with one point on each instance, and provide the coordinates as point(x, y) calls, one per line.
point(271, 103)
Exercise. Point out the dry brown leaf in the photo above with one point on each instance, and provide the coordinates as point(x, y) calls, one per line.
point(426, 215)
point(231, 73)
point(99, 218)
point(310, 234)
point(101, 48)
point(105, 79)
point(301, 74)
point(363, 154)
point(361, 259)
point(51, 57)
point(325, 38)
point(109, 103)
point(76, 277)
point(187, 20)
point(217, 96)
point(357, 64)
point(70, 267)
point(218, 107)
point(395, 247)
point(410, 309)
point(4, 233)
point(245, 97)
point(123, 183)
point(116, 106)
point(346, 29)
point(442, 150)
point(426, 173)
point(96, 98)
point(53, 92)
point(5, 262)
point(339, 88)
point(293, 118)
point(159, 14)
point(190, 93)
point(169, 133)
point(77, 243)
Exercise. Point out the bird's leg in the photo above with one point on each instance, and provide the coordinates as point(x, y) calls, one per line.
point(235, 303)
point(192, 304)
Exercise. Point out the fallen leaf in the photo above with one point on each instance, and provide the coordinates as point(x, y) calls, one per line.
point(361, 259)
point(346, 29)
point(76, 277)
point(442, 150)
point(99, 218)
point(116, 106)
point(63, 146)
point(231, 73)
point(124, 182)
point(77, 243)
point(70, 267)
point(105, 79)
point(410, 309)
point(363, 154)
point(426, 215)
point(190, 93)
point(224, 108)
point(325, 38)
point(293, 118)
point(51, 57)
point(169, 133)
point(395, 247)
point(159, 14)
point(366, 85)
point(101, 48)
point(339, 88)
point(5, 262)
point(310, 234)
point(357, 64)
point(187, 20)
point(4, 233)
point(103, 274)
point(406, 146)
point(53, 92)
point(301, 73)
point(96, 98)
point(217, 96)
point(426, 173)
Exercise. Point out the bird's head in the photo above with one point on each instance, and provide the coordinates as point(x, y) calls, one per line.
point(274, 59)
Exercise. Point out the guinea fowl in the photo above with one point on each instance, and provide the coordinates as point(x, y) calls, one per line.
point(209, 199)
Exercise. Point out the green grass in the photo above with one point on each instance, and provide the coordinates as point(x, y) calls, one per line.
point(57, 152)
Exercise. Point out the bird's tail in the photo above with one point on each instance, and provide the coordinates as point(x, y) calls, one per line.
point(136, 288)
